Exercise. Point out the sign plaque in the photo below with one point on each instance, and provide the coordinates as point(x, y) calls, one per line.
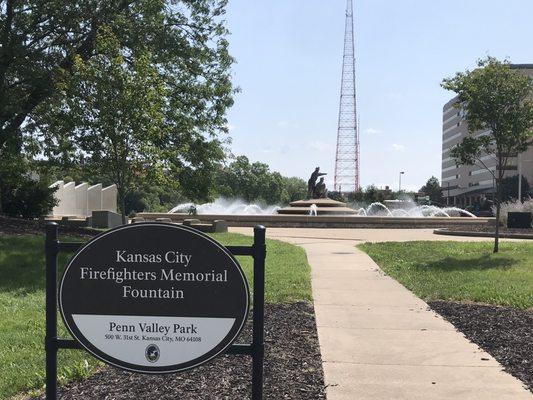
point(154, 297)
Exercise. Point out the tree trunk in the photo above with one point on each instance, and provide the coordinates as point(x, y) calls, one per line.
point(123, 209)
point(122, 204)
point(498, 200)
point(497, 230)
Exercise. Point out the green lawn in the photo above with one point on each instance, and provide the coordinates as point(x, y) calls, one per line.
point(22, 306)
point(460, 271)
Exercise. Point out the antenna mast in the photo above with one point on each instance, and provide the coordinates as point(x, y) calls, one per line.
point(347, 154)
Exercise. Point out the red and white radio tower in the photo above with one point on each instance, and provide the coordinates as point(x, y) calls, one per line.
point(347, 155)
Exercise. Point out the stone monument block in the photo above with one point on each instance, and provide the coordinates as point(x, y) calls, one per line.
point(220, 226)
point(94, 198)
point(105, 219)
point(57, 210)
point(69, 199)
point(81, 199)
point(109, 198)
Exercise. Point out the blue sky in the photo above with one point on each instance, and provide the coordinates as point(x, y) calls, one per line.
point(289, 55)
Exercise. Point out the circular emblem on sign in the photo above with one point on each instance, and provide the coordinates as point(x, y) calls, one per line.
point(152, 353)
point(154, 297)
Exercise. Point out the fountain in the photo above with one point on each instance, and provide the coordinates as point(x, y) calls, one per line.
point(319, 211)
point(316, 207)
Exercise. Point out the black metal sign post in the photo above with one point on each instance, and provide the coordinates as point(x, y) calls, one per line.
point(52, 343)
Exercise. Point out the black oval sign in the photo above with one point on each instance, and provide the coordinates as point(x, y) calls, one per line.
point(154, 297)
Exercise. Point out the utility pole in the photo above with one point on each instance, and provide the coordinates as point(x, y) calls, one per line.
point(347, 153)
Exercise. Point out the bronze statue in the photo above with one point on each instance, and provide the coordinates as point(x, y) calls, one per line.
point(311, 183)
point(320, 190)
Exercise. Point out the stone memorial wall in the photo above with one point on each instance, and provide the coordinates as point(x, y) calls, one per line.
point(81, 200)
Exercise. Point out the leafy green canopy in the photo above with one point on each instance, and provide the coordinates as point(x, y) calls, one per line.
point(254, 181)
point(433, 190)
point(133, 91)
point(42, 42)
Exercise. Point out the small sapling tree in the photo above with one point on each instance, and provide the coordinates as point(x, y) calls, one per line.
point(498, 107)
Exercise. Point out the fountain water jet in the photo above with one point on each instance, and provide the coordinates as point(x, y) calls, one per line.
point(223, 206)
point(377, 204)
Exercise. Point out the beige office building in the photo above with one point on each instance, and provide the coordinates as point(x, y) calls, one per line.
point(465, 184)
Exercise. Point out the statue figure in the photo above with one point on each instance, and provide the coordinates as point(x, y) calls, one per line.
point(320, 190)
point(311, 183)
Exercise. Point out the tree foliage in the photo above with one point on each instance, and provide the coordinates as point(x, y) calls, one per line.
point(124, 89)
point(111, 112)
point(255, 182)
point(250, 181)
point(30, 198)
point(24, 193)
point(496, 99)
point(129, 91)
point(41, 42)
point(433, 190)
point(295, 189)
point(510, 188)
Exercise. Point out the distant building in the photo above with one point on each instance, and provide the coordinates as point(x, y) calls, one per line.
point(465, 184)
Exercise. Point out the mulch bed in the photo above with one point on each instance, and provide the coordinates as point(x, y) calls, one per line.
point(19, 226)
point(293, 368)
point(505, 333)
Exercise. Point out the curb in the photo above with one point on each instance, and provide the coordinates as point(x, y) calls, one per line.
point(443, 231)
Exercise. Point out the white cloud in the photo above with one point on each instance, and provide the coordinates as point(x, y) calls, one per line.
point(372, 131)
point(284, 124)
point(398, 147)
point(320, 146)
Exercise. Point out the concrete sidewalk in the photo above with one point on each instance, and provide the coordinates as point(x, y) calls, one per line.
point(378, 340)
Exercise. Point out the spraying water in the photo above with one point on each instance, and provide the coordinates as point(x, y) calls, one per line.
point(223, 206)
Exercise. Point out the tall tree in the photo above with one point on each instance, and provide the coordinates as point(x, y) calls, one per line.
point(433, 190)
point(251, 181)
point(296, 188)
point(114, 113)
point(498, 100)
point(43, 43)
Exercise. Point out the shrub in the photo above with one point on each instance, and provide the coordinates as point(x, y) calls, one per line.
point(334, 195)
point(30, 199)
